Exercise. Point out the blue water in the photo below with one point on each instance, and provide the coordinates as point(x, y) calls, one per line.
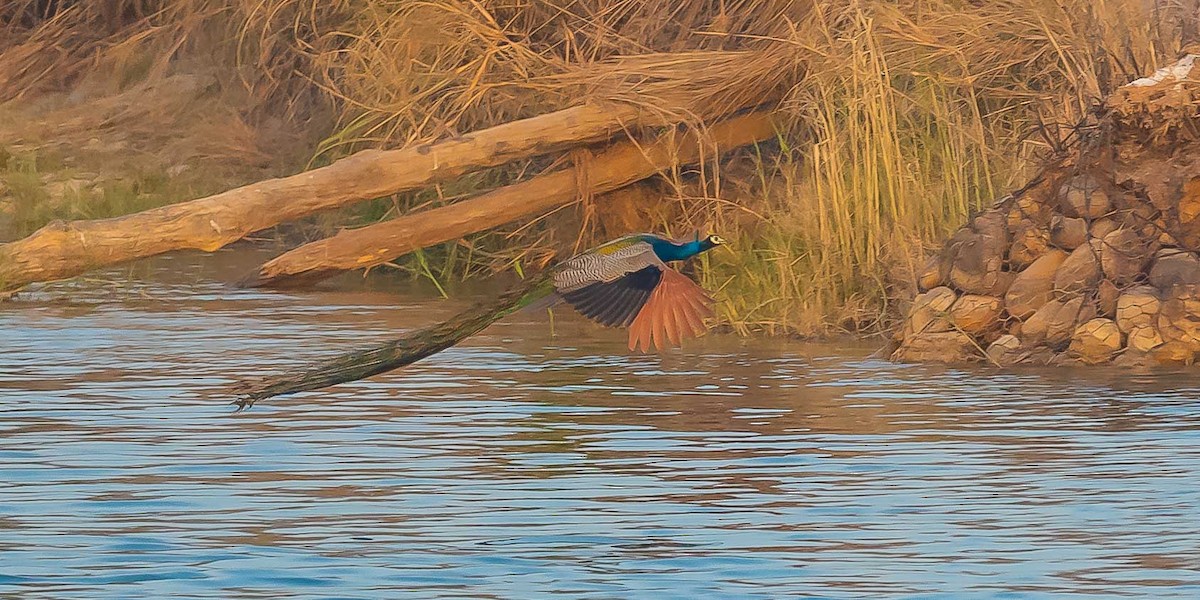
point(530, 465)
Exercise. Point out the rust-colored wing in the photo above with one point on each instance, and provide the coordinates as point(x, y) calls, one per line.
point(675, 311)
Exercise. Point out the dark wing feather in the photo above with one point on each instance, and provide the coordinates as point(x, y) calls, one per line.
point(618, 302)
point(640, 300)
point(611, 312)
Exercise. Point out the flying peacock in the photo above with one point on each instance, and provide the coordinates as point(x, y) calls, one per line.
point(622, 283)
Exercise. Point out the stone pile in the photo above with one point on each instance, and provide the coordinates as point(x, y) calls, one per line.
point(1098, 261)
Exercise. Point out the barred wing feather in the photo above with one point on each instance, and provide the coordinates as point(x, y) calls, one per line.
point(605, 265)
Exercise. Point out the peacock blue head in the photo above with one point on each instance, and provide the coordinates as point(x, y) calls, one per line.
point(710, 242)
point(668, 251)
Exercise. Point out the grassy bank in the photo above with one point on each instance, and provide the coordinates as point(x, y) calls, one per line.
point(905, 115)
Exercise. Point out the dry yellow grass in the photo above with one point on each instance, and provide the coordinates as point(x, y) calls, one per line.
point(906, 114)
point(912, 115)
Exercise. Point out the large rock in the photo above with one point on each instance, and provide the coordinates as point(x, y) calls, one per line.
point(1179, 318)
point(1102, 227)
point(942, 346)
point(1095, 341)
point(1068, 233)
point(1084, 196)
point(1174, 353)
point(1172, 267)
point(1140, 215)
point(936, 272)
point(1133, 360)
point(976, 314)
point(1166, 237)
point(1030, 242)
point(1034, 286)
point(929, 312)
point(1033, 206)
point(978, 255)
point(1080, 272)
point(1137, 307)
point(1189, 201)
point(992, 283)
point(1040, 356)
point(993, 224)
point(1144, 338)
point(1189, 213)
point(1054, 322)
point(1107, 295)
point(1006, 351)
point(1123, 255)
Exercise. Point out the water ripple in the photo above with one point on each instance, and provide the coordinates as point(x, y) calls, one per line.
point(517, 467)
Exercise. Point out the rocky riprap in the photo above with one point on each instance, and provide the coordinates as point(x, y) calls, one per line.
point(1095, 262)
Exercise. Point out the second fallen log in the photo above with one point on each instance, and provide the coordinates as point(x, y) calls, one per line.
point(616, 167)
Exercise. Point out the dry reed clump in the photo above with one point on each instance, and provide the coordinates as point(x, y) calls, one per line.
point(120, 105)
point(407, 71)
point(109, 45)
point(907, 115)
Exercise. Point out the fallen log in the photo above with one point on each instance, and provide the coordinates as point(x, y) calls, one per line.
point(65, 249)
point(620, 165)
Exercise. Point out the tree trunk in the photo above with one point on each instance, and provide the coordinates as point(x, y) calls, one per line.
point(619, 165)
point(60, 250)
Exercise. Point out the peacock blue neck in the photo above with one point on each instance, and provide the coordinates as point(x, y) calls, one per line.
point(668, 251)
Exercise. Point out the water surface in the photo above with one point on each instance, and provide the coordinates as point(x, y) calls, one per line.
point(524, 464)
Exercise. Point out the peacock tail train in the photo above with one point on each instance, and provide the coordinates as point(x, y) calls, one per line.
point(398, 353)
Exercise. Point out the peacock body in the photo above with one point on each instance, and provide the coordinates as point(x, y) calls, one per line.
point(623, 283)
point(627, 283)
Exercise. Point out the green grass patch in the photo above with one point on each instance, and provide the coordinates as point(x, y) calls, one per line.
point(40, 189)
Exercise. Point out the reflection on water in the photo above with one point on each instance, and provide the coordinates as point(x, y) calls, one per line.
point(523, 464)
